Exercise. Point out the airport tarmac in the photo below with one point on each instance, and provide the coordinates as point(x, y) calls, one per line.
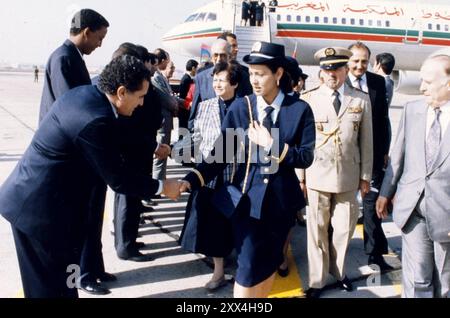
point(174, 273)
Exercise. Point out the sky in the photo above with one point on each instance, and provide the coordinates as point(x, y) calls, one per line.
point(31, 30)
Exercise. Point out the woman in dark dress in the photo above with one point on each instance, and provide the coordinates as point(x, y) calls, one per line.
point(246, 6)
point(207, 231)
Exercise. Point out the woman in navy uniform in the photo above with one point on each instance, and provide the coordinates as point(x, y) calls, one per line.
point(281, 128)
point(206, 230)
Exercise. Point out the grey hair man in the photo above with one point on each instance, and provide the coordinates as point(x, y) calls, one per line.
point(419, 181)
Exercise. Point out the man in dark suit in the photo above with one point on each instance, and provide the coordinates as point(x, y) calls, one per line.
point(137, 146)
point(375, 242)
point(221, 52)
point(186, 81)
point(66, 68)
point(384, 65)
point(46, 196)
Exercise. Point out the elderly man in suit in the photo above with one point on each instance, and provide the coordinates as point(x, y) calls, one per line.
point(221, 52)
point(342, 166)
point(419, 181)
point(46, 196)
point(66, 68)
point(375, 242)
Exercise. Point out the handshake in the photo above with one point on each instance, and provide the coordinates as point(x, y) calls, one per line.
point(174, 188)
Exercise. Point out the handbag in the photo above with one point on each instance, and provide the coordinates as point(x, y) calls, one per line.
point(226, 198)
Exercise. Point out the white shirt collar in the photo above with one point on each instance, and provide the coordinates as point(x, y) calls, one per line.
point(262, 105)
point(363, 82)
point(444, 108)
point(114, 109)
point(276, 103)
point(331, 91)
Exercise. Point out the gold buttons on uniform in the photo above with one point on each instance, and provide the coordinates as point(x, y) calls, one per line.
point(266, 170)
point(266, 181)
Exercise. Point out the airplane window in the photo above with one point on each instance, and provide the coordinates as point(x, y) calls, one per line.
point(211, 17)
point(334, 20)
point(446, 28)
point(438, 27)
point(278, 17)
point(299, 18)
point(191, 18)
point(379, 23)
point(325, 20)
point(201, 16)
point(316, 19)
point(370, 22)
point(344, 21)
point(352, 21)
point(388, 24)
point(361, 22)
point(288, 18)
point(430, 26)
point(308, 18)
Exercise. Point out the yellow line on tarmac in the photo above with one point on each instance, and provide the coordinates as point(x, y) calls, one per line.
point(360, 229)
point(20, 294)
point(398, 289)
point(290, 286)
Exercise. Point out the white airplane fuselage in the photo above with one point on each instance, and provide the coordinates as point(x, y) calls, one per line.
point(409, 30)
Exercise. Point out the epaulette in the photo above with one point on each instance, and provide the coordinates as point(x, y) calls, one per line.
point(310, 90)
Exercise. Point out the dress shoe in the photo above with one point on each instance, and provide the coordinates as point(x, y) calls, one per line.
point(380, 262)
point(213, 285)
point(148, 203)
point(345, 284)
point(139, 245)
point(93, 288)
point(283, 272)
point(106, 277)
point(138, 257)
point(313, 293)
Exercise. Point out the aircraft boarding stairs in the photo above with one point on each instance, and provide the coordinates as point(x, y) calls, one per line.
point(247, 36)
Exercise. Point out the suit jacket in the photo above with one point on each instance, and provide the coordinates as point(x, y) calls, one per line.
point(65, 70)
point(343, 154)
point(169, 103)
point(380, 120)
point(279, 191)
point(204, 89)
point(46, 196)
point(389, 89)
point(138, 133)
point(185, 84)
point(407, 176)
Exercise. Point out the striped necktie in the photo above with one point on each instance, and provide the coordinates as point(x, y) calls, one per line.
point(433, 139)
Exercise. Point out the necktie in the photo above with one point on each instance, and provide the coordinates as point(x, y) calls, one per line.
point(433, 139)
point(336, 102)
point(267, 122)
point(358, 83)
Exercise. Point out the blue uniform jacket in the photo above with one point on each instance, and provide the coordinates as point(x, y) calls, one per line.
point(47, 194)
point(296, 150)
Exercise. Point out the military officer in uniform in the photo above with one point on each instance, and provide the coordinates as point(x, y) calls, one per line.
point(342, 166)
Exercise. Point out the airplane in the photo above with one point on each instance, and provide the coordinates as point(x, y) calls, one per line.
point(409, 30)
